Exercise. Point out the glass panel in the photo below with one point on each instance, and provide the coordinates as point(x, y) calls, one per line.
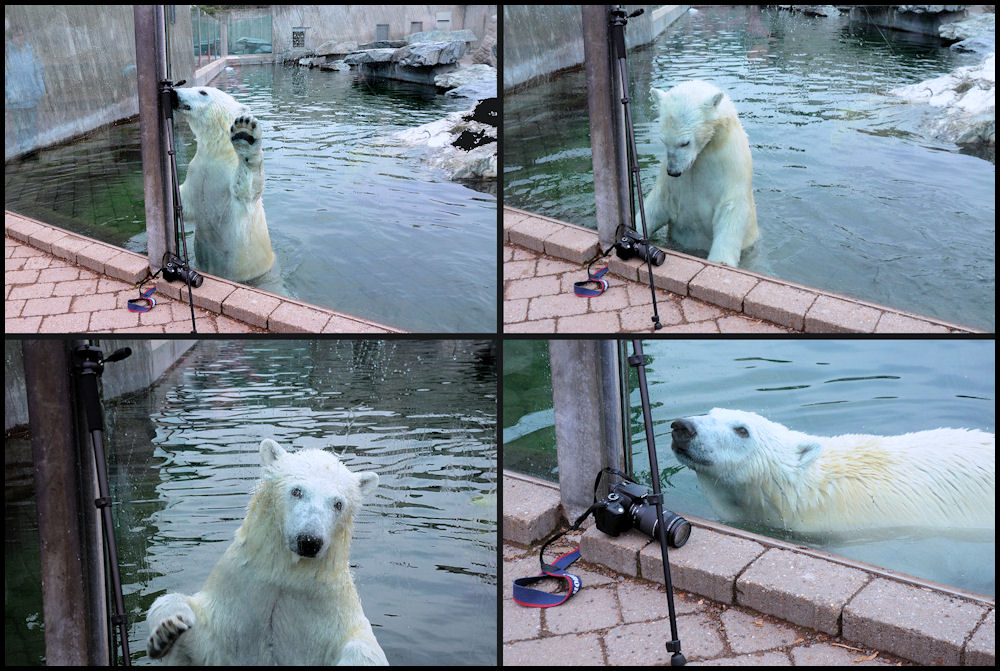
point(529, 433)
point(827, 388)
point(852, 192)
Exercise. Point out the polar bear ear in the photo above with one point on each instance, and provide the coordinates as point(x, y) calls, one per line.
point(716, 99)
point(270, 452)
point(659, 96)
point(367, 482)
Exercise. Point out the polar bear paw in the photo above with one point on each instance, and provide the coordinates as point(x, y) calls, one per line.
point(167, 632)
point(245, 134)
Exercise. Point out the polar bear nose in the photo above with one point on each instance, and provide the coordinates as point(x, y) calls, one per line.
point(683, 430)
point(308, 546)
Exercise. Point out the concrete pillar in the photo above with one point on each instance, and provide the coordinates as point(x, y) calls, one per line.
point(587, 403)
point(73, 591)
point(607, 125)
point(151, 67)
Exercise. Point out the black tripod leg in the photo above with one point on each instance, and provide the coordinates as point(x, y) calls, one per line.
point(618, 21)
point(639, 361)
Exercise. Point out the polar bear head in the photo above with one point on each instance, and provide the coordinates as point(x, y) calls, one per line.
point(734, 447)
point(209, 111)
point(690, 115)
point(312, 498)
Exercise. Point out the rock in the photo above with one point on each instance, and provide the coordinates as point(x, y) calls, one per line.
point(968, 98)
point(975, 26)
point(335, 48)
point(426, 54)
point(441, 36)
point(370, 56)
point(446, 141)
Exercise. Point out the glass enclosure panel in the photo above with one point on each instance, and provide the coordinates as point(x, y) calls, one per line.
point(852, 193)
point(827, 388)
point(529, 433)
point(250, 36)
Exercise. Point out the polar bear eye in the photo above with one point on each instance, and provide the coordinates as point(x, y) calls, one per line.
point(296, 492)
point(203, 92)
point(685, 143)
point(741, 431)
point(338, 505)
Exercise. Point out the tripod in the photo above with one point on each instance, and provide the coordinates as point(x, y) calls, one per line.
point(167, 96)
point(89, 364)
point(618, 21)
point(638, 360)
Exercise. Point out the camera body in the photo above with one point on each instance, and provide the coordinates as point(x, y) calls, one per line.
point(176, 269)
point(632, 245)
point(627, 506)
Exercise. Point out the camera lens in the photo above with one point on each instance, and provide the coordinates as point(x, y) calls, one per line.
point(656, 255)
point(678, 529)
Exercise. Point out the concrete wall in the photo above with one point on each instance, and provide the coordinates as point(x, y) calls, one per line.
point(69, 69)
point(149, 360)
point(541, 39)
point(357, 22)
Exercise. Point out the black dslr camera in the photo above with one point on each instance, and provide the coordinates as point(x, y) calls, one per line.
point(176, 269)
point(627, 506)
point(632, 245)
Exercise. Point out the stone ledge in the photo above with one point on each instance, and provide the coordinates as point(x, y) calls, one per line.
point(216, 295)
point(788, 304)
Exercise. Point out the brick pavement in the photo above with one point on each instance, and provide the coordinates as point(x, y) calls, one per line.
point(539, 298)
point(741, 599)
point(60, 282)
point(543, 257)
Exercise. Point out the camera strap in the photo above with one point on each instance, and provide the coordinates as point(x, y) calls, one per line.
point(144, 303)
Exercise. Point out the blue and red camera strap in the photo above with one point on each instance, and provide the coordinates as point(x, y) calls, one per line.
point(528, 596)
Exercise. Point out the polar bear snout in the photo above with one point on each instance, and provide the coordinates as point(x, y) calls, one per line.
point(683, 430)
point(307, 545)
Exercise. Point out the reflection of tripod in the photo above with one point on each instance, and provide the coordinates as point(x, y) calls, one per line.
point(618, 20)
point(89, 364)
point(638, 360)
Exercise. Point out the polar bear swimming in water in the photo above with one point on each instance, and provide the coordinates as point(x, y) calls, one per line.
point(282, 593)
point(758, 471)
point(221, 193)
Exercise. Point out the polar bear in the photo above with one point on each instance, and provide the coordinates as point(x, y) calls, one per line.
point(704, 191)
point(221, 193)
point(758, 471)
point(282, 593)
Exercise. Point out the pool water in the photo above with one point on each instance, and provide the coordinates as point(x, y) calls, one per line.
point(852, 196)
point(822, 387)
point(422, 414)
point(358, 222)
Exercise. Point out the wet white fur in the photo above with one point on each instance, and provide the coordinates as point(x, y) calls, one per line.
point(786, 479)
point(704, 191)
point(222, 189)
point(263, 604)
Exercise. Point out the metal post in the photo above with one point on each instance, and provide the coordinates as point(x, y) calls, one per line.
point(607, 126)
point(150, 55)
point(585, 396)
point(73, 590)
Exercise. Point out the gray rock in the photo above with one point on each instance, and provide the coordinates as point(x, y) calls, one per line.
point(336, 48)
point(442, 36)
point(370, 56)
point(424, 54)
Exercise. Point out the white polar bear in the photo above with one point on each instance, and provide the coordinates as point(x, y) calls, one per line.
point(704, 192)
point(756, 470)
point(282, 593)
point(221, 193)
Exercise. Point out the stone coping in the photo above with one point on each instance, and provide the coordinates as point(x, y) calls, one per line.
point(913, 618)
point(795, 306)
point(260, 309)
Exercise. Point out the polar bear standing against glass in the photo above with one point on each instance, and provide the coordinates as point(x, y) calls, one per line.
point(221, 193)
point(282, 594)
point(704, 192)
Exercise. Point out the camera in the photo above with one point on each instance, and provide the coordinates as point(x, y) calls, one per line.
point(632, 245)
point(627, 507)
point(176, 269)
